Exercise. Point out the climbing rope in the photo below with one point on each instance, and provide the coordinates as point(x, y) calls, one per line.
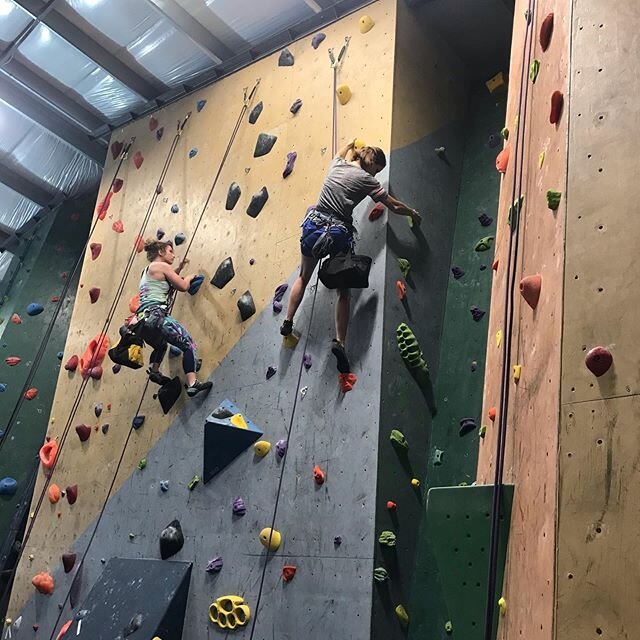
point(335, 64)
point(516, 205)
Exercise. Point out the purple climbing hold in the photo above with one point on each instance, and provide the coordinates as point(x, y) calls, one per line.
point(116, 368)
point(494, 140)
point(160, 233)
point(214, 565)
point(317, 40)
point(286, 58)
point(458, 272)
point(271, 371)
point(477, 313)
point(281, 448)
point(137, 422)
point(278, 295)
point(291, 160)
point(306, 361)
point(239, 507)
point(295, 107)
point(485, 220)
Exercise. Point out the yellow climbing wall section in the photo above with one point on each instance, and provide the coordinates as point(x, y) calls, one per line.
point(598, 566)
point(532, 426)
point(271, 240)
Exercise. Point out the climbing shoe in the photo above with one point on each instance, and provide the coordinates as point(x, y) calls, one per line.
point(197, 387)
point(158, 378)
point(287, 328)
point(341, 356)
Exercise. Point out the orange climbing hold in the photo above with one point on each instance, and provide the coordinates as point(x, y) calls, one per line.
point(65, 627)
point(493, 412)
point(94, 353)
point(12, 361)
point(43, 582)
point(502, 161)
point(16, 319)
point(319, 475)
point(103, 206)
point(48, 453)
point(347, 381)
point(557, 102)
point(546, 31)
point(401, 288)
point(376, 212)
point(30, 394)
point(134, 303)
point(139, 244)
point(54, 493)
point(495, 264)
point(530, 289)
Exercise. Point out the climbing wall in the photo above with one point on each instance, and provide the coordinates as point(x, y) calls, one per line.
point(531, 441)
point(335, 431)
point(598, 507)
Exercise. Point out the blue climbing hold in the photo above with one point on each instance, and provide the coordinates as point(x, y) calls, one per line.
point(175, 208)
point(179, 239)
point(193, 153)
point(195, 285)
point(34, 309)
point(137, 422)
point(200, 105)
point(60, 355)
point(8, 486)
point(3, 387)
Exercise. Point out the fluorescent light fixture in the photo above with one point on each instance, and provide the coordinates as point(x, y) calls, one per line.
point(6, 7)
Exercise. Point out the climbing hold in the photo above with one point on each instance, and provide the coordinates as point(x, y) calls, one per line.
point(200, 105)
point(196, 283)
point(415, 483)
point(517, 372)
point(264, 144)
point(164, 486)
point(12, 361)
point(83, 432)
point(288, 571)
point(246, 305)
point(376, 212)
point(97, 409)
point(174, 209)
point(118, 226)
point(458, 272)
point(142, 464)
point(233, 195)
point(239, 507)
point(116, 148)
point(437, 457)
point(485, 220)
point(410, 349)
point(229, 612)
point(171, 539)
point(295, 107)
point(214, 565)
point(365, 24)
point(194, 482)
point(546, 31)
point(530, 289)
point(137, 422)
point(224, 274)
point(8, 486)
point(138, 159)
point(116, 368)
point(193, 153)
point(159, 134)
point(277, 297)
point(505, 133)
point(540, 163)
point(153, 123)
point(441, 152)
point(494, 140)
point(179, 238)
point(391, 505)
point(495, 264)
point(270, 538)
point(557, 102)
point(160, 233)
point(502, 160)
point(34, 309)
point(236, 420)
point(387, 539)
point(553, 199)
point(43, 583)
point(138, 244)
point(380, 574)
point(271, 371)
point(484, 244)
point(3, 388)
point(347, 381)
point(405, 266)
point(255, 113)
point(534, 69)
point(68, 561)
point(286, 58)
point(402, 614)
point(31, 393)
point(448, 627)
point(16, 319)
point(492, 414)
point(337, 541)
point(94, 294)
point(398, 440)
point(291, 161)
point(65, 627)
point(476, 313)
point(252, 261)
point(261, 448)
point(281, 448)
point(598, 361)
point(306, 361)
point(53, 493)
point(72, 493)
point(317, 40)
point(257, 202)
point(319, 476)
point(96, 248)
point(502, 603)
point(467, 425)
point(482, 432)
point(344, 94)
point(401, 289)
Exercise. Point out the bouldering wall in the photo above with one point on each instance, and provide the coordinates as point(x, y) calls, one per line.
point(337, 432)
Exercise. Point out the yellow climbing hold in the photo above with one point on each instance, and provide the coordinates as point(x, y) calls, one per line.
point(541, 159)
point(270, 538)
point(415, 482)
point(366, 24)
point(517, 372)
point(402, 614)
point(229, 612)
point(502, 603)
point(359, 143)
point(497, 83)
point(498, 338)
point(344, 94)
point(238, 421)
point(261, 448)
point(290, 341)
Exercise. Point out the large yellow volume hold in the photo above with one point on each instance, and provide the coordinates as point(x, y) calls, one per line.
point(366, 24)
point(344, 94)
point(229, 612)
point(270, 538)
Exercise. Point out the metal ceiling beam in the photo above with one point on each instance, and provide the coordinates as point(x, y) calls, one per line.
point(24, 187)
point(22, 99)
point(93, 50)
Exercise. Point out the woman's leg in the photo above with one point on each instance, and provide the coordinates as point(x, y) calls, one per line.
point(154, 339)
point(307, 266)
point(174, 333)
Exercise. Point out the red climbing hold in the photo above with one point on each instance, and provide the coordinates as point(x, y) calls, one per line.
point(103, 206)
point(139, 244)
point(35, 626)
point(55, 298)
point(376, 212)
point(401, 289)
point(95, 372)
point(72, 493)
point(96, 248)
point(94, 353)
point(502, 161)
point(83, 432)
point(347, 381)
point(48, 453)
point(30, 394)
point(138, 159)
point(557, 102)
point(599, 361)
point(493, 412)
point(94, 294)
point(72, 363)
point(116, 149)
point(319, 475)
point(68, 561)
point(118, 183)
point(391, 505)
point(118, 226)
point(288, 571)
point(65, 627)
point(134, 303)
point(546, 31)
point(153, 123)
point(530, 289)
point(495, 264)
point(16, 319)
point(12, 361)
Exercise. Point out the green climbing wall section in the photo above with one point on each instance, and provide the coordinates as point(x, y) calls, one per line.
point(452, 457)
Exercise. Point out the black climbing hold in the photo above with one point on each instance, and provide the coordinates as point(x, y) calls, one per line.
point(477, 313)
point(295, 107)
point(483, 267)
point(175, 208)
point(200, 105)
point(458, 272)
point(255, 113)
point(105, 428)
point(485, 220)
point(257, 202)
point(171, 540)
point(271, 371)
point(169, 393)
point(246, 305)
point(467, 425)
point(264, 144)
point(224, 274)
point(179, 239)
point(220, 413)
point(285, 59)
point(474, 366)
point(134, 624)
point(291, 160)
point(159, 134)
point(233, 195)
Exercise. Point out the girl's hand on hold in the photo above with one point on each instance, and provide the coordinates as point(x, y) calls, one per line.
point(416, 217)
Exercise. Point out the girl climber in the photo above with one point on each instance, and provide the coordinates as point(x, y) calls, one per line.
point(157, 283)
point(328, 229)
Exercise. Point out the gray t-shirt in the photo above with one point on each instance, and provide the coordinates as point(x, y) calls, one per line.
point(345, 187)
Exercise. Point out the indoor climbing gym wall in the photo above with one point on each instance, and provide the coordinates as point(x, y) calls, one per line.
point(129, 483)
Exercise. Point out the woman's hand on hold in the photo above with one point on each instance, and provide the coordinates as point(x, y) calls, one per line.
point(416, 217)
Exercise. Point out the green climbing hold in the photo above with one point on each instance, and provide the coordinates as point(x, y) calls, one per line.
point(534, 69)
point(402, 614)
point(482, 432)
point(437, 457)
point(448, 628)
point(193, 482)
point(410, 349)
point(553, 199)
point(142, 464)
point(484, 244)
point(505, 133)
point(405, 266)
point(514, 210)
point(398, 440)
point(387, 539)
point(380, 574)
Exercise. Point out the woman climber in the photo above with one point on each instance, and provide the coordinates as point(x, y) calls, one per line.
point(157, 284)
point(328, 229)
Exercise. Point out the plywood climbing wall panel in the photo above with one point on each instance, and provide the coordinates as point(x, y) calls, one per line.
point(271, 240)
point(598, 509)
point(532, 425)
